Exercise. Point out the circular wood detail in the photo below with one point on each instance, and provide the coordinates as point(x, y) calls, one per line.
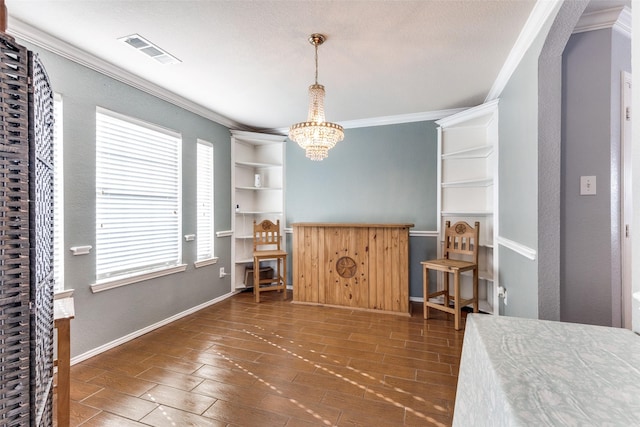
point(346, 267)
point(461, 228)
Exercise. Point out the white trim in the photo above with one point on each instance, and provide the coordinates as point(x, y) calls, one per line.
point(80, 250)
point(256, 138)
point(423, 233)
point(487, 182)
point(103, 286)
point(108, 346)
point(26, 32)
point(66, 293)
point(205, 262)
point(618, 18)
point(388, 120)
point(469, 114)
point(225, 233)
point(402, 118)
point(540, 13)
point(518, 248)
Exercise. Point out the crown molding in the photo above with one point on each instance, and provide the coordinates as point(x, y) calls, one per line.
point(618, 18)
point(540, 13)
point(402, 118)
point(27, 33)
point(468, 114)
point(386, 120)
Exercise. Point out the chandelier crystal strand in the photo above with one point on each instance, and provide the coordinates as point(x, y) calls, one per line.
point(316, 136)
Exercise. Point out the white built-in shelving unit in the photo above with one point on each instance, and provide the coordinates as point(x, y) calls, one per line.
point(468, 189)
point(254, 154)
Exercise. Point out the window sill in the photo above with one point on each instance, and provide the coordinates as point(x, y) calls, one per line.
point(205, 262)
point(103, 286)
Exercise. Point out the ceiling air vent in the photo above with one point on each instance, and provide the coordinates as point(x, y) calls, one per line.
point(149, 49)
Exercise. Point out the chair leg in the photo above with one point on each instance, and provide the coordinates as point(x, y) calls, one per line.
point(456, 300)
point(284, 278)
point(256, 280)
point(425, 291)
point(445, 284)
point(475, 290)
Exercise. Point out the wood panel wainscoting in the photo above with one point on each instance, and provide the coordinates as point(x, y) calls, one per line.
point(361, 266)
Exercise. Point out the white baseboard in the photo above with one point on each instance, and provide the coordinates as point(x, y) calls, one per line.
point(108, 346)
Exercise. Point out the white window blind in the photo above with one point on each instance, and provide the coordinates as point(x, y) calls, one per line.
point(205, 228)
point(58, 197)
point(138, 200)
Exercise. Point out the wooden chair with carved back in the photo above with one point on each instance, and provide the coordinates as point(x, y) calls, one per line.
point(267, 247)
point(461, 241)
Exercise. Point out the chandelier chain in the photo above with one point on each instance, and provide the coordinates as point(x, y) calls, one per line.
point(316, 46)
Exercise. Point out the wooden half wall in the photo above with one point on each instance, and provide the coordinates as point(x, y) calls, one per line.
point(362, 266)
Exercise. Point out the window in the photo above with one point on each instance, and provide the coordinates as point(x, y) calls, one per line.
point(138, 201)
point(205, 228)
point(58, 197)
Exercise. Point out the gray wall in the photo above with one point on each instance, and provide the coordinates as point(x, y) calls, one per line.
point(384, 174)
point(590, 225)
point(529, 163)
point(549, 143)
point(518, 178)
point(112, 314)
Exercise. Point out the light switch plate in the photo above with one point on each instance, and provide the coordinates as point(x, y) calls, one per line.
point(587, 185)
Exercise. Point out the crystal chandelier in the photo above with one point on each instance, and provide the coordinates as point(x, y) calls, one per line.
point(316, 135)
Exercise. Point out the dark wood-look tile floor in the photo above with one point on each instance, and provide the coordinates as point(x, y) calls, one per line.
point(238, 363)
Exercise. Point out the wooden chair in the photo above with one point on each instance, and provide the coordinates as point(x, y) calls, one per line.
point(461, 240)
point(266, 247)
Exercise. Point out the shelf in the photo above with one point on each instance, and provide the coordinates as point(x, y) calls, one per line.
point(466, 213)
point(259, 188)
point(485, 182)
point(253, 153)
point(258, 212)
point(258, 165)
point(480, 152)
point(468, 188)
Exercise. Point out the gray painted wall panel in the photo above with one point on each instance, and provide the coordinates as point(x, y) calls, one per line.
point(112, 314)
point(518, 172)
point(377, 174)
point(549, 144)
point(590, 272)
point(385, 174)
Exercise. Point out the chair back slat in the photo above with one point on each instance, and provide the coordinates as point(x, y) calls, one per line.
point(266, 235)
point(460, 238)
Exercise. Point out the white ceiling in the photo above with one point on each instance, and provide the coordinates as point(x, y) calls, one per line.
point(250, 61)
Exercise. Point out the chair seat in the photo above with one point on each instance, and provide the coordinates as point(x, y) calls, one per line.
point(269, 254)
point(444, 264)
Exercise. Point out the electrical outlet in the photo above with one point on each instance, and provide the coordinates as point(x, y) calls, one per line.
point(222, 273)
point(502, 293)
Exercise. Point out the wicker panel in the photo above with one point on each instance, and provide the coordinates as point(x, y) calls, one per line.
point(41, 247)
point(14, 236)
